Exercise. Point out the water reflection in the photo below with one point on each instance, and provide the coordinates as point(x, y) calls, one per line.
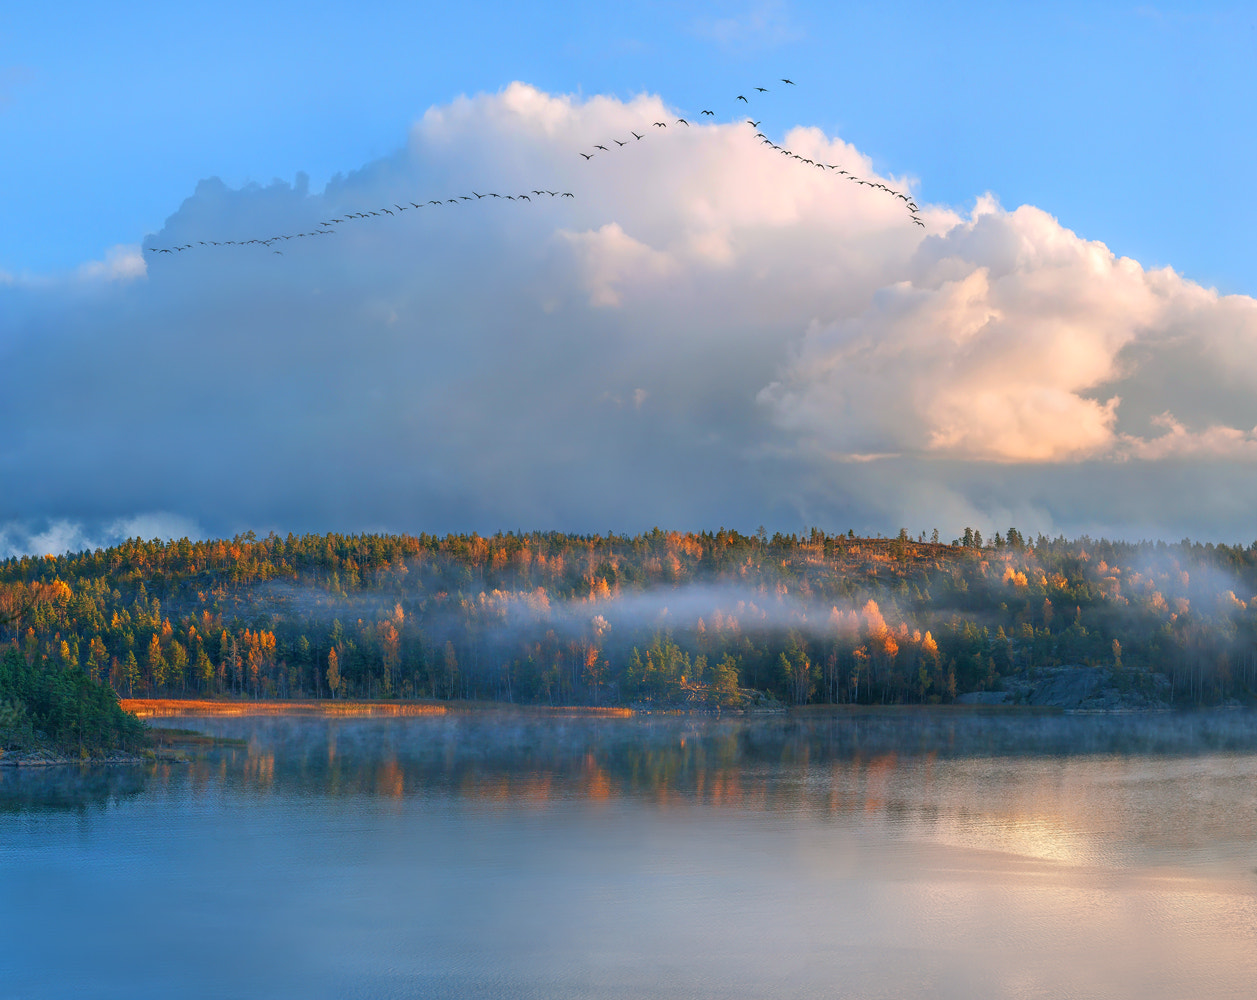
point(41, 789)
point(1041, 787)
point(835, 764)
point(490, 855)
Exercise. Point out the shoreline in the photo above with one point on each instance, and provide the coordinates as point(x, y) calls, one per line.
point(49, 758)
point(152, 708)
point(157, 708)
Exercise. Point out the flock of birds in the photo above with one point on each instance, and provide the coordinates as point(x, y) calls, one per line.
point(913, 211)
point(328, 227)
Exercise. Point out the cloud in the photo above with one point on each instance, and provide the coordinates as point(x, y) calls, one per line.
point(121, 263)
point(707, 333)
point(56, 537)
point(987, 349)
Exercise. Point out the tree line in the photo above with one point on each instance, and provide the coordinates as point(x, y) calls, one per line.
point(660, 618)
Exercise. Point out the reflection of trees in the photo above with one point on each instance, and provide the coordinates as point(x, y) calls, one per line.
point(835, 764)
point(832, 764)
point(49, 789)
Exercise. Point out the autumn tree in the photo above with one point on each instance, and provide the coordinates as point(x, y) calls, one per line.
point(333, 672)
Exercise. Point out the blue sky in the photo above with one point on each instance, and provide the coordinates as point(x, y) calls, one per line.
point(1135, 125)
point(772, 349)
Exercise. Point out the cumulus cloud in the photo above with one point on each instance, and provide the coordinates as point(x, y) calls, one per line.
point(708, 332)
point(995, 346)
point(56, 537)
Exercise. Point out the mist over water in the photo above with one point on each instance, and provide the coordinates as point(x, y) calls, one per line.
point(891, 853)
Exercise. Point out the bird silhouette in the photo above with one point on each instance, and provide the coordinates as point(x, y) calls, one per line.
point(791, 82)
point(762, 90)
point(741, 98)
point(588, 156)
point(603, 148)
point(661, 125)
point(712, 113)
point(634, 134)
point(682, 121)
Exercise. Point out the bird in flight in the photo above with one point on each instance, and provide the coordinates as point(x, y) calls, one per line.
point(682, 121)
point(754, 124)
point(741, 98)
point(762, 90)
point(568, 194)
point(791, 82)
point(588, 156)
point(634, 134)
point(603, 148)
point(619, 143)
point(712, 113)
point(661, 125)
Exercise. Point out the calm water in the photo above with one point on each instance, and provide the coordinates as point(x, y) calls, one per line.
point(496, 856)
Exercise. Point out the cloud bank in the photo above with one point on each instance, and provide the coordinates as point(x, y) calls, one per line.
point(707, 333)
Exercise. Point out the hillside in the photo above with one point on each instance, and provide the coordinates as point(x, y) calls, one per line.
point(662, 618)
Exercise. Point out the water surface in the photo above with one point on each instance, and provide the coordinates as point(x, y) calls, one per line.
point(496, 855)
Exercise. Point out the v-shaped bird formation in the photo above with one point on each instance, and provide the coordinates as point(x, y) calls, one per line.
point(914, 212)
point(394, 210)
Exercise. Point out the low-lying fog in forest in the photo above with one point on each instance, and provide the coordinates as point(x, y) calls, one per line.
point(671, 619)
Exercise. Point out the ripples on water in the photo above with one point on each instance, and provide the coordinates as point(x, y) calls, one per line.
point(893, 854)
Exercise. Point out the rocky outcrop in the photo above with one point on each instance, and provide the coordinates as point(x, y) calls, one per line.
point(1078, 688)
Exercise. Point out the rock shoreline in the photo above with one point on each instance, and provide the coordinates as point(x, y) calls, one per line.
point(50, 758)
point(1079, 689)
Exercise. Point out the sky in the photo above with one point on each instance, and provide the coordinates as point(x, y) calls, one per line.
point(707, 333)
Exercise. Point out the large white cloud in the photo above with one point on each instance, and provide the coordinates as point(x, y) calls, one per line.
point(708, 332)
point(995, 345)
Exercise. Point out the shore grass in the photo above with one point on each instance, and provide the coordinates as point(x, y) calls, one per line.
point(148, 708)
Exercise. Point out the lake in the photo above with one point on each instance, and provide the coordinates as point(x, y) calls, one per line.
point(485, 854)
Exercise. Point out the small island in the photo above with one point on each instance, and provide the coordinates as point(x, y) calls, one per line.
point(51, 715)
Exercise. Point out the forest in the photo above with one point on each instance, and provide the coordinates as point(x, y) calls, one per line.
point(662, 619)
